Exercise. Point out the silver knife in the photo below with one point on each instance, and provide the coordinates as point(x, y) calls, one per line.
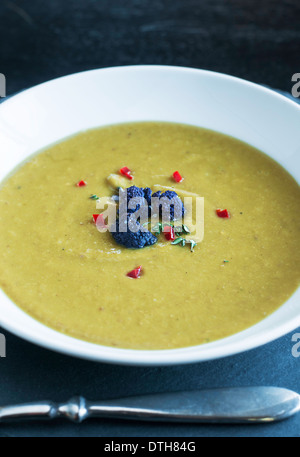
point(224, 405)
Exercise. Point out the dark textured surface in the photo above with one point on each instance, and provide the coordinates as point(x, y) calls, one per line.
point(31, 373)
point(252, 39)
point(258, 41)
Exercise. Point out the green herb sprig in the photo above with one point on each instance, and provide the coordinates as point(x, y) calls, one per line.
point(192, 243)
point(180, 231)
point(182, 241)
point(179, 240)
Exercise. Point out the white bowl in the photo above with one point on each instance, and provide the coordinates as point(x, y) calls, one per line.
point(54, 110)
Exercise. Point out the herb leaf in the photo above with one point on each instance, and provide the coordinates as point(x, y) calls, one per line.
point(192, 243)
point(178, 240)
point(157, 228)
point(186, 229)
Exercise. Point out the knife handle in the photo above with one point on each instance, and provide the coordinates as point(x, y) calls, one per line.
point(234, 405)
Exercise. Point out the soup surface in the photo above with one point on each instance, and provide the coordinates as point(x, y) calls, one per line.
point(60, 269)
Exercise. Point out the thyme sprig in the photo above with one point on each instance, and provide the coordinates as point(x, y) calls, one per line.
point(182, 241)
point(157, 228)
point(185, 229)
point(180, 231)
point(179, 240)
point(192, 243)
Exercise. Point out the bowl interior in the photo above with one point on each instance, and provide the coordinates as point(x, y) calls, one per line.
point(50, 112)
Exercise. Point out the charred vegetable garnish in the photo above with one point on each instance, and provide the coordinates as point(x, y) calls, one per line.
point(129, 232)
point(167, 211)
point(132, 231)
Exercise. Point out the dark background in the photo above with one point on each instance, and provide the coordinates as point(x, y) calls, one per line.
point(251, 39)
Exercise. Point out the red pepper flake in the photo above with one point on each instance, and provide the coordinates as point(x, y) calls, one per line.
point(81, 183)
point(177, 176)
point(223, 213)
point(125, 171)
point(169, 233)
point(99, 220)
point(135, 273)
